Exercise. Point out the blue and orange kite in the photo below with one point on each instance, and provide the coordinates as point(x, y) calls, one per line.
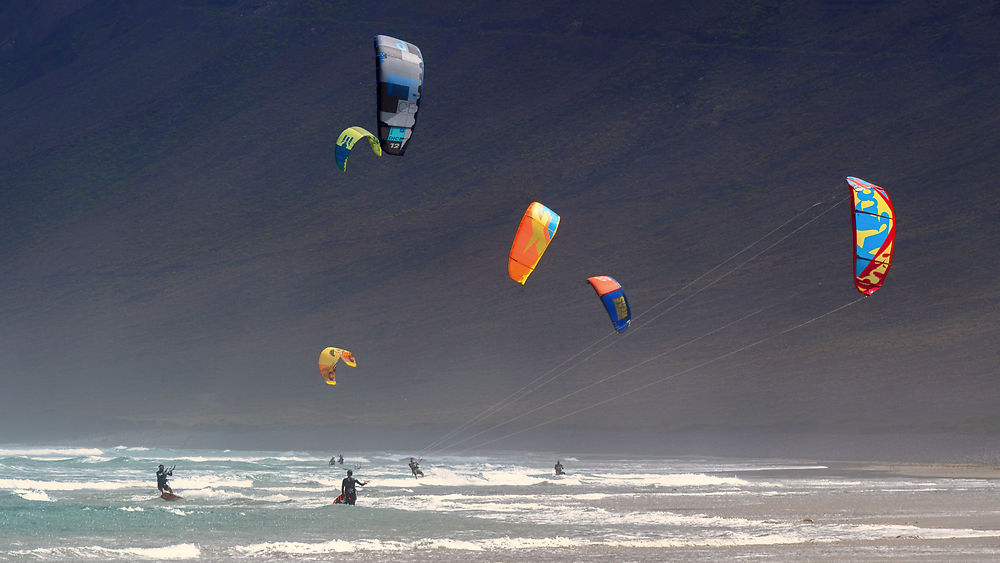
point(613, 297)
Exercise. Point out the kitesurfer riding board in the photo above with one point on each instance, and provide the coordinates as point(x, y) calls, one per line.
point(166, 493)
point(415, 468)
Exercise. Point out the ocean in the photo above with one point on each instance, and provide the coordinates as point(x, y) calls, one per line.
point(82, 503)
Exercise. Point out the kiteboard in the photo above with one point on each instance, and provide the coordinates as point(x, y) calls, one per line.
point(342, 499)
point(170, 496)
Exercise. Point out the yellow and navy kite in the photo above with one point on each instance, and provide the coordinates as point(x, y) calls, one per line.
point(874, 234)
point(536, 230)
point(346, 141)
point(328, 359)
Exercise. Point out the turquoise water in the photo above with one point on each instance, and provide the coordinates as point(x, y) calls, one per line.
point(78, 503)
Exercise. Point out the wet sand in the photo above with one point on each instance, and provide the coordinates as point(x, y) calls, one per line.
point(954, 498)
point(906, 549)
point(930, 470)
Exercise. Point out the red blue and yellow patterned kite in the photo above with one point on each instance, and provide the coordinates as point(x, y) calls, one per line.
point(536, 230)
point(874, 234)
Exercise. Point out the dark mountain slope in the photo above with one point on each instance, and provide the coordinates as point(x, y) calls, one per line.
point(175, 229)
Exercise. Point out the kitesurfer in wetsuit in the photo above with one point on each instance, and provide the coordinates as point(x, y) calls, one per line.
point(559, 468)
point(161, 480)
point(415, 468)
point(347, 488)
point(340, 459)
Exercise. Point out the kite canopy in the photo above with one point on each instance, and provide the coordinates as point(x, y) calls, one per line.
point(874, 234)
point(346, 141)
point(399, 72)
point(536, 230)
point(613, 297)
point(328, 359)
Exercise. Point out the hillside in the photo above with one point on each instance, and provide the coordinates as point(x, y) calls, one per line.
point(178, 244)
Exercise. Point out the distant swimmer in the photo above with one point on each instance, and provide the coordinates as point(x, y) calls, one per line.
point(161, 479)
point(348, 492)
point(333, 460)
point(559, 468)
point(340, 459)
point(415, 468)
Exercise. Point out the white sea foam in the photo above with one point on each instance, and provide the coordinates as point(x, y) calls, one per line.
point(277, 549)
point(589, 496)
point(49, 452)
point(316, 489)
point(33, 494)
point(776, 468)
point(792, 535)
point(670, 480)
point(70, 485)
point(234, 459)
point(96, 459)
point(132, 509)
point(500, 545)
point(170, 552)
point(559, 509)
point(445, 477)
point(216, 494)
point(296, 548)
point(205, 481)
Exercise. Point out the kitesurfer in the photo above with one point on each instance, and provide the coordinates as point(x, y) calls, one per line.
point(348, 490)
point(161, 479)
point(333, 460)
point(415, 468)
point(340, 459)
point(559, 468)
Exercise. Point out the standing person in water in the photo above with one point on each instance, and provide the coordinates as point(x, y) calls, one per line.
point(348, 490)
point(559, 468)
point(415, 468)
point(161, 479)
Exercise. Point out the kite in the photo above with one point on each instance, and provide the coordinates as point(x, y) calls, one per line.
point(611, 294)
point(346, 141)
point(536, 230)
point(399, 72)
point(874, 234)
point(328, 359)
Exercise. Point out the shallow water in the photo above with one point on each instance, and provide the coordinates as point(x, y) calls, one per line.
point(102, 503)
